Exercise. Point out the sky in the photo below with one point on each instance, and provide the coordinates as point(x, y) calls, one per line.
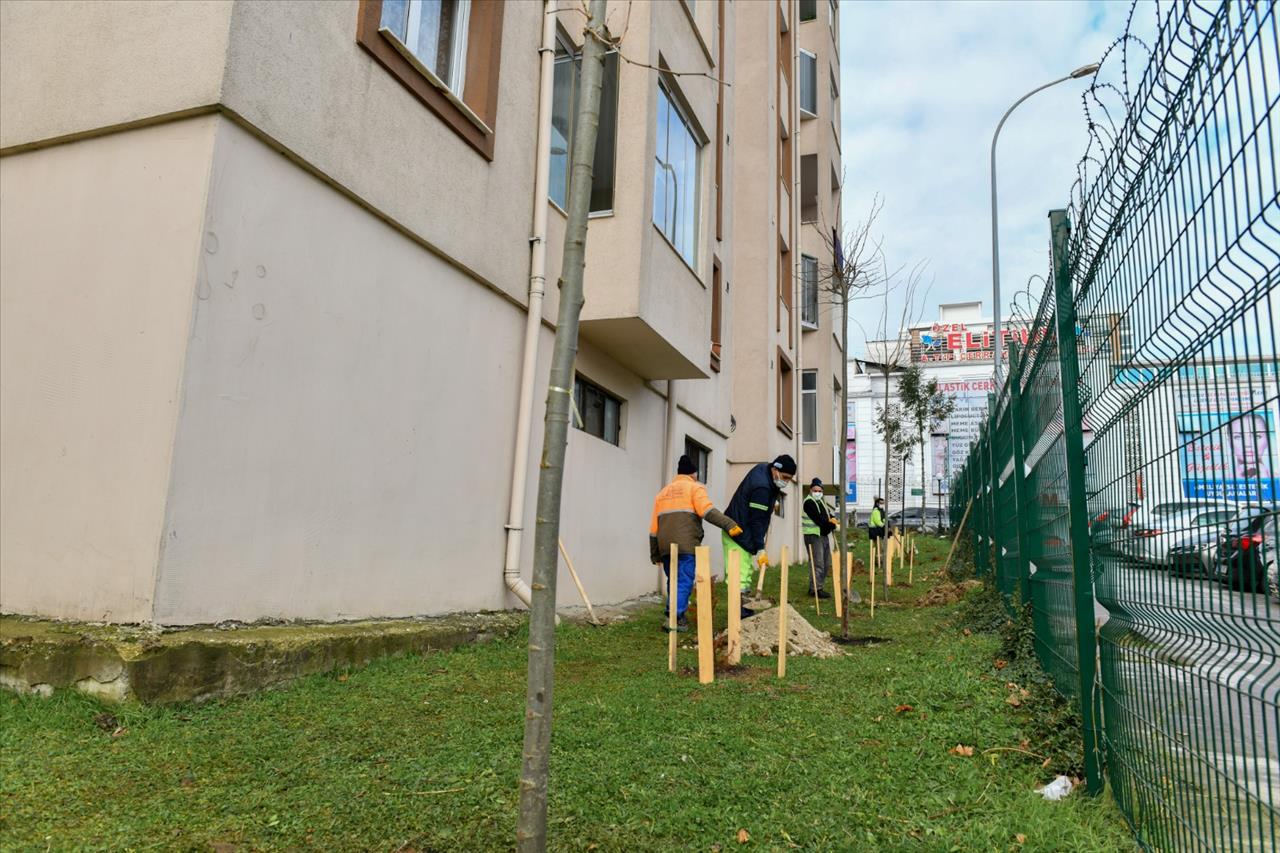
point(923, 86)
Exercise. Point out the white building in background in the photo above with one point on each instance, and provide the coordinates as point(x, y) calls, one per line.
point(956, 348)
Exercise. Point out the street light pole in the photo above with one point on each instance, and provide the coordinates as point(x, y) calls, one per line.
point(1083, 71)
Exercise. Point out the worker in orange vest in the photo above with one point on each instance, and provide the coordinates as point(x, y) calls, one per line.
point(678, 513)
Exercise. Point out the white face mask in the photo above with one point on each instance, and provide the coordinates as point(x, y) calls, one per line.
point(817, 495)
point(781, 484)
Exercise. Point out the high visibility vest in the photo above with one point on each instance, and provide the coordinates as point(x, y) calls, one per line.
point(807, 525)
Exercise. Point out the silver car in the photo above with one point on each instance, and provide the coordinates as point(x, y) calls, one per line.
point(1154, 538)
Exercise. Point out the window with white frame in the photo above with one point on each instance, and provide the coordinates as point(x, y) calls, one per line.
point(808, 84)
point(564, 105)
point(435, 32)
point(809, 406)
point(809, 291)
point(675, 177)
point(835, 95)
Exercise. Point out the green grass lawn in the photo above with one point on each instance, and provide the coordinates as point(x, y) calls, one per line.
point(423, 753)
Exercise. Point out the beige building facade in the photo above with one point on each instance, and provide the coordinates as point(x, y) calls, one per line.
point(265, 290)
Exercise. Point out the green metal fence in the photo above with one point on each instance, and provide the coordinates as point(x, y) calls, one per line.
point(1125, 482)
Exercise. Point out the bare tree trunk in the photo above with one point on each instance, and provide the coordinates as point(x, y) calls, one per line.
point(888, 486)
point(531, 831)
point(844, 456)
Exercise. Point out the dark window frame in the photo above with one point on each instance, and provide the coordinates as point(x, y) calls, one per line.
point(700, 454)
point(583, 392)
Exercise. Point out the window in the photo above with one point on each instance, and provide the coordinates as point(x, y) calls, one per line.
point(809, 406)
point(809, 291)
point(446, 53)
point(835, 95)
point(809, 83)
point(835, 413)
point(601, 412)
point(716, 328)
point(675, 178)
point(808, 187)
point(700, 456)
point(564, 106)
point(786, 393)
point(435, 31)
point(808, 10)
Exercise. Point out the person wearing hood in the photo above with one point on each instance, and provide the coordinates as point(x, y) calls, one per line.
point(817, 525)
point(678, 513)
point(753, 503)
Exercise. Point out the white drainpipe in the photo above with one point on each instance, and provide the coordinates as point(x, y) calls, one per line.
point(533, 323)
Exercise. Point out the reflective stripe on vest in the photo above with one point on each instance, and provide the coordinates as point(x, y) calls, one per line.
point(808, 526)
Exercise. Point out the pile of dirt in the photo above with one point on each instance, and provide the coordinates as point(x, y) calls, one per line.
point(947, 593)
point(760, 636)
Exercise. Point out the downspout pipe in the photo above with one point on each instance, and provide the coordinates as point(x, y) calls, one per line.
point(533, 323)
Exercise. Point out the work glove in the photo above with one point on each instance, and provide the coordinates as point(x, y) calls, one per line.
point(735, 531)
point(762, 559)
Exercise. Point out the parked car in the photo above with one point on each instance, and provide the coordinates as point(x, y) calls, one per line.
point(1271, 556)
point(1154, 543)
point(1146, 525)
point(913, 518)
point(1244, 549)
point(1195, 556)
point(1109, 525)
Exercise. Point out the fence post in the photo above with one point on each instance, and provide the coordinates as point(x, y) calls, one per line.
point(1078, 517)
point(1019, 469)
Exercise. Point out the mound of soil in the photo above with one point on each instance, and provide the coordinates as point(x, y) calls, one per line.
point(760, 636)
point(947, 593)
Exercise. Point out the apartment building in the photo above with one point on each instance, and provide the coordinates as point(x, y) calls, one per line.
point(821, 176)
point(272, 340)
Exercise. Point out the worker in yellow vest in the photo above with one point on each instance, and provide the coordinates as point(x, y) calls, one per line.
point(817, 525)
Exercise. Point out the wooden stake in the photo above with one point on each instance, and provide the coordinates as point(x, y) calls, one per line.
point(760, 578)
point(848, 569)
point(813, 582)
point(672, 591)
point(835, 581)
point(578, 583)
point(902, 554)
point(873, 588)
point(911, 572)
point(782, 616)
point(890, 546)
point(706, 654)
point(733, 578)
point(956, 538)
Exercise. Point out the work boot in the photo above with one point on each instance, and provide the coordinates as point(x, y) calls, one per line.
point(682, 624)
point(822, 593)
point(745, 613)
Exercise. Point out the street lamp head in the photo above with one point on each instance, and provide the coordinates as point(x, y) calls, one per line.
point(1085, 70)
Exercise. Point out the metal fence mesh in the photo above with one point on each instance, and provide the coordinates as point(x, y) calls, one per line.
point(1125, 484)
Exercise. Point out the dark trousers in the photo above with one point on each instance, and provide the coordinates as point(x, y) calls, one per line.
point(820, 548)
point(684, 579)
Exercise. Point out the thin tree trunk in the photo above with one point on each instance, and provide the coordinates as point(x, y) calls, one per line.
point(844, 455)
point(531, 831)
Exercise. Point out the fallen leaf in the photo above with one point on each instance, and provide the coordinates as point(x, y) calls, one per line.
point(1020, 838)
point(343, 677)
point(107, 722)
point(743, 836)
point(187, 781)
point(1001, 663)
point(877, 719)
point(120, 732)
point(903, 709)
point(1025, 744)
point(968, 633)
point(961, 749)
point(1012, 699)
point(1044, 763)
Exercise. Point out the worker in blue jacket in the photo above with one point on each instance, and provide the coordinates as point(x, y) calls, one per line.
point(752, 506)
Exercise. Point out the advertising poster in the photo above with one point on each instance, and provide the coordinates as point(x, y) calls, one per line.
point(941, 480)
point(1228, 455)
point(851, 459)
point(964, 424)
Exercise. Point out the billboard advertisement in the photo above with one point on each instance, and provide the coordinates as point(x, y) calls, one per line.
point(851, 458)
point(1228, 455)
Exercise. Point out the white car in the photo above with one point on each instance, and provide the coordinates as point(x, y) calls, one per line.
point(1172, 524)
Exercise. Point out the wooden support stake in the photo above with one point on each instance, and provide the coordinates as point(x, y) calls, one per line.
point(911, 572)
point(672, 591)
point(873, 588)
point(782, 615)
point(836, 572)
point(848, 569)
point(954, 539)
point(760, 578)
point(891, 546)
point(902, 552)
point(813, 582)
point(733, 579)
point(706, 654)
point(578, 583)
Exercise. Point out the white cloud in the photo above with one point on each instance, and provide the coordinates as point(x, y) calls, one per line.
point(923, 86)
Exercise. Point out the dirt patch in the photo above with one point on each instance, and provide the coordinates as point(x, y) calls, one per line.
point(760, 636)
point(947, 593)
point(859, 641)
